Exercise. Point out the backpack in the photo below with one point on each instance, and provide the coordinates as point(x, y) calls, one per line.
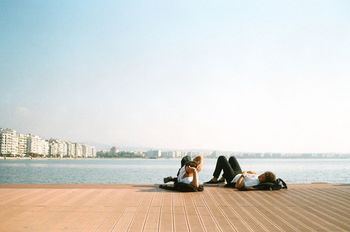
point(277, 185)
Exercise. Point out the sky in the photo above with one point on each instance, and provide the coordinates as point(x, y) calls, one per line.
point(245, 76)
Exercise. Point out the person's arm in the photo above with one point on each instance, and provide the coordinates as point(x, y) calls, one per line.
point(248, 172)
point(195, 181)
point(240, 183)
point(199, 161)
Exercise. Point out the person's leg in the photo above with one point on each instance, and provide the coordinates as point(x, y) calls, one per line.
point(223, 165)
point(236, 170)
point(235, 165)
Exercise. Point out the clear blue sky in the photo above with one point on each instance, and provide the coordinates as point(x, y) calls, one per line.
point(227, 75)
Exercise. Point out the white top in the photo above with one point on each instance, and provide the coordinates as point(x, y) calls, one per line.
point(182, 176)
point(250, 180)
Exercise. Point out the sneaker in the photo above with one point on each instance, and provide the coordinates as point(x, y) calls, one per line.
point(167, 179)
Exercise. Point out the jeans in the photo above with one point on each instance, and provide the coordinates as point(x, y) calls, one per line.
point(230, 168)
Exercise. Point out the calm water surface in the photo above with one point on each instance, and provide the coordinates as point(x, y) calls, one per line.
point(151, 171)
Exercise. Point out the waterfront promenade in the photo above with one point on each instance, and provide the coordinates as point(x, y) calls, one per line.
point(313, 207)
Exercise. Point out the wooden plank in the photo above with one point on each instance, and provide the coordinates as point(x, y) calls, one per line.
point(147, 208)
point(142, 212)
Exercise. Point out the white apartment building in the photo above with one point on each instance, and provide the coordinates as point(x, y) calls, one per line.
point(93, 152)
point(45, 146)
point(8, 142)
point(78, 150)
point(22, 144)
point(37, 145)
point(53, 148)
point(86, 150)
point(58, 148)
point(34, 143)
point(70, 149)
point(62, 146)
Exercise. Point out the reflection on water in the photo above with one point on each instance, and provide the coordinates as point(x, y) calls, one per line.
point(150, 171)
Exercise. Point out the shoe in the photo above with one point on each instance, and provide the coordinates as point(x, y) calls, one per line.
point(230, 185)
point(221, 181)
point(167, 179)
point(212, 182)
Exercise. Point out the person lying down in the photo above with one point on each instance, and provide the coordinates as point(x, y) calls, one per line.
point(235, 177)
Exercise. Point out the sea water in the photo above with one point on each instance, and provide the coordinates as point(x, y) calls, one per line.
point(152, 171)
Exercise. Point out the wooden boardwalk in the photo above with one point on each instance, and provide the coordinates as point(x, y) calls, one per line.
point(314, 207)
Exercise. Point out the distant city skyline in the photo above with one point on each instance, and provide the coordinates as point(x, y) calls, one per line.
point(15, 144)
point(251, 76)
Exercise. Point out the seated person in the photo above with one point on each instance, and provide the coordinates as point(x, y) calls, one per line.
point(233, 175)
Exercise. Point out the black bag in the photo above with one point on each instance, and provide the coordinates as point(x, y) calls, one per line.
point(277, 185)
point(182, 187)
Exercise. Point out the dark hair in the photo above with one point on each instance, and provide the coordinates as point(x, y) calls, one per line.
point(192, 164)
point(270, 176)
